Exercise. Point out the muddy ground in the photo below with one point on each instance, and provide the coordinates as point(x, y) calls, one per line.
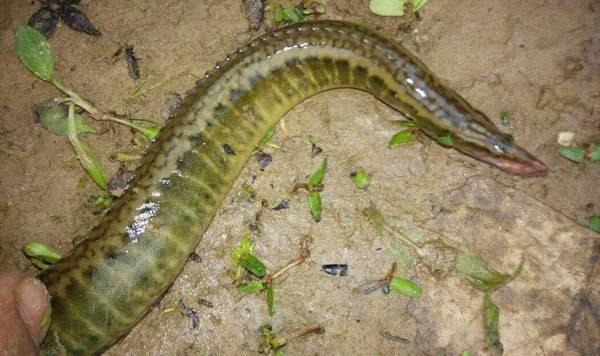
point(538, 60)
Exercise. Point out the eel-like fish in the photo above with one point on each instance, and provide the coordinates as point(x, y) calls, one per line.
point(110, 281)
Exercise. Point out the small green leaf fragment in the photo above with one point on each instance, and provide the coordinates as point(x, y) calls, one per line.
point(405, 287)
point(253, 265)
point(314, 203)
point(418, 4)
point(279, 353)
point(34, 51)
point(479, 273)
point(317, 176)
point(505, 118)
point(401, 137)
point(360, 178)
point(279, 15)
point(320, 8)
point(42, 252)
point(268, 136)
point(243, 249)
point(53, 117)
point(575, 154)
point(90, 163)
point(491, 314)
point(150, 132)
point(466, 353)
point(99, 203)
point(594, 154)
point(251, 287)
point(445, 139)
point(270, 295)
point(46, 318)
point(387, 7)
point(39, 263)
point(594, 223)
point(278, 341)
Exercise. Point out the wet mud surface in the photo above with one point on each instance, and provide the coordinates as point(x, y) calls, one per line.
point(538, 60)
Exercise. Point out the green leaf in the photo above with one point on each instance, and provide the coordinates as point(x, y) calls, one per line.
point(39, 263)
point(251, 287)
point(505, 118)
point(314, 203)
point(491, 315)
point(401, 137)
point(34, 52)
point(243, 249)
point(405, 287)
point(394, 7)
point(268, 136)
point(293, 15)
point(445, 139)
point(360, 178)
point(387, 7)
point(279, 15)
point(46, 318)
point(253, 265)
point(279, 353)
point(270, 294)
point(575, 154)
point(594, 154)
point(42, 252)
point(594, 223)
point(53, 117)
point(317, 176)
point(479, 273)
point(90, 162)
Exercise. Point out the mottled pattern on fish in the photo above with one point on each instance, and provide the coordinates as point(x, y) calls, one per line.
point(110, 281)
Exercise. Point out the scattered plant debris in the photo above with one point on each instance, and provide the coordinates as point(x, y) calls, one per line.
point(395, 7)
point(254, 11)
point(335, 269)
point(133, 66)
point(480, 275)
point(273, 343)
point(34, 51)
point(582, 153)
point(360, 178)
point(594, 223)
point(314, 187)
point(99, 203)
point(195, 257)
point(314, 149)
point(205, 303)
point(263, 159)
point(189, 313)
point(284, 204)
point(46, 18)
point(505, 119)
point(41, 255)
point(386, 335)
point(405, 287)
point(298, 13)
point(401, 137)
point(491, 317)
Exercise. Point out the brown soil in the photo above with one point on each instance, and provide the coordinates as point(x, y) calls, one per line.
point(538, 60)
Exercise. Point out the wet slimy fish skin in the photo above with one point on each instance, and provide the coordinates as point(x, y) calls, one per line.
point(110, 281)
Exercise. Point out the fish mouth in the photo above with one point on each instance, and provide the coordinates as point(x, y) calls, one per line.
point(518, 162)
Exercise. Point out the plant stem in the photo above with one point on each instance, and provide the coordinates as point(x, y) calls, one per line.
point(76, 99)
